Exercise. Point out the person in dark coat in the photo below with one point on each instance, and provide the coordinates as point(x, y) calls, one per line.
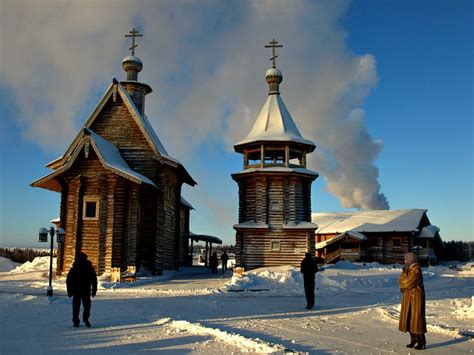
point(213, 262)
point(224, 259)
point(81, 285)
point(412, 312)
point(309, 270)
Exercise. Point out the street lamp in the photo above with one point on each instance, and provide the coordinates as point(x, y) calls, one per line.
point(417, 249)
point(43, 237)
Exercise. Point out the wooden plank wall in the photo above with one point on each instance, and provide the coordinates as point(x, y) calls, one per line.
point(73, 218)
point(276, 203)
point(184, 233)
point(166, 247)
point(147, 238)
point(257, 248)
point(379, 247)
point(120, 224)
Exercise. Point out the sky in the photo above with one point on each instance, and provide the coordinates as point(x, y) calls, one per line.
point(384, 89)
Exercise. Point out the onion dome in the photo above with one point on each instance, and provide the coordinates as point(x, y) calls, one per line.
point(273, 78)
point(132, 66)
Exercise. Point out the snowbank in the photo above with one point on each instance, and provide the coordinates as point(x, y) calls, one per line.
point(38, 264)
point(7, 265)
point(243, 343)
point(285, 279)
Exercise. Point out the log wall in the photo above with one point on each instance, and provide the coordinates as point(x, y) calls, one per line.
point(379, 247)
point(138, 225)
point(256, 248)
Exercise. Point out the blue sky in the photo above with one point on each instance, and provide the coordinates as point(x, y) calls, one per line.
point(390, 80)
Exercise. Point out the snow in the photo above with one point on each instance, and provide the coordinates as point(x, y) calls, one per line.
point(113, 159)
point(143, 123)
point(7, 265)
point(195, 311)
point(428, 232)
point(274, 123)
point(38, 264)
point(251, 224)
point(404, 220)
point(356, 235)
point(186, 203)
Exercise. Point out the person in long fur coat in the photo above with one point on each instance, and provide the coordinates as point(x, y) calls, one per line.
point(412, 313)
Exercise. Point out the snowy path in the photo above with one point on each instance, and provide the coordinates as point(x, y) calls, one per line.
point(191, 312)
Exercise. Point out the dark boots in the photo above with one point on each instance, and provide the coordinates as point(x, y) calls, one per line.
point(419, 340)
point(412, 340)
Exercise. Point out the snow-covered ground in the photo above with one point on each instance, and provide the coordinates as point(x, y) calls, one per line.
point(195, 311)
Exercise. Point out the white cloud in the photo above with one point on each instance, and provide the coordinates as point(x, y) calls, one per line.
point(206, 63)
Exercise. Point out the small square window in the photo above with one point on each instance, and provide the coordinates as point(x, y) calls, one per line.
point(91, 208)
point(275, 245)
point(275, 206)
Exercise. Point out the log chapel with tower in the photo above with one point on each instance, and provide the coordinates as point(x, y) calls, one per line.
point(274, 186)
point(120, 190)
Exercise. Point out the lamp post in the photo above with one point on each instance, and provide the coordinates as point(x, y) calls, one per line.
point(417, 249)
point(43, 237)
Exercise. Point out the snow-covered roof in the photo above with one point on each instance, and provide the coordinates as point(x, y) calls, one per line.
point(356, 235)
point(205, 238)
point(300, 225)
point(110, 156)
point(406, 220)
point(186, 203)
point(142, 122)
point(251, 225)
point(428, 231)
point(274, 123)
point(280, 169)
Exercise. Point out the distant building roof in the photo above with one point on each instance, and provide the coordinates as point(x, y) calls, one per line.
point(355, 235)
point(406, 220)
point(205, 238)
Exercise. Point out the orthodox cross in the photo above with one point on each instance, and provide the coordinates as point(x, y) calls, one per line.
point(274, 44)
point(133, 33)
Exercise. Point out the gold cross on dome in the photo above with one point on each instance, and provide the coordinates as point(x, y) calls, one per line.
point(274, 44)
point(133, 33)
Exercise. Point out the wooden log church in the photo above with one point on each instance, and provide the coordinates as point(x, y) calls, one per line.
point(274, 186)
point(120, 190)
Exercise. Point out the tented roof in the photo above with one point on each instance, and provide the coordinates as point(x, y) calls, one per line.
point(274, 123)
point(405, 220)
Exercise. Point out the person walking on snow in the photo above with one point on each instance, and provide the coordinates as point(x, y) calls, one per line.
point(309, 270)
point(81, 284)
point(224, 259)
point(412, 313)
point(213, 262)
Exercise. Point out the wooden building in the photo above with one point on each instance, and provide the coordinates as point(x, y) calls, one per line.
point(384, 236)
point(274, 187)
point(120, 189)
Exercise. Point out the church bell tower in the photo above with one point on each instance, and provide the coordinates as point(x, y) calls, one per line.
point(274, 186)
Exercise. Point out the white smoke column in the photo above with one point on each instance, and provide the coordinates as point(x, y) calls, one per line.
point(206, 63)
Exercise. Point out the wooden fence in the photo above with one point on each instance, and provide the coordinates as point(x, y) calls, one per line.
point(22, 255)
